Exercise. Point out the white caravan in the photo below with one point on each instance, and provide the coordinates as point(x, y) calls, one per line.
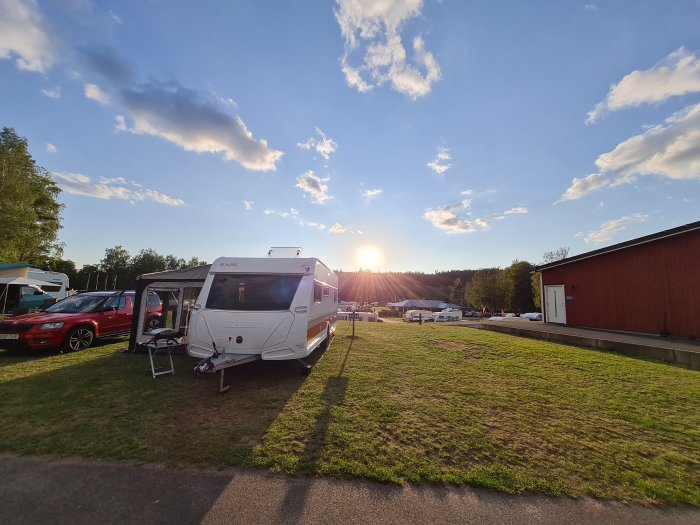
point(266, 308)
point(447, 316)
point(58, 280)
point(413, 316)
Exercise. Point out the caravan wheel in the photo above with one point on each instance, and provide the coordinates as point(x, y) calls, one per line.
point(327, 341)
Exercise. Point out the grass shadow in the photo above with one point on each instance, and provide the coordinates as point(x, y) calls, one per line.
point(101, 403)
point(333, 395)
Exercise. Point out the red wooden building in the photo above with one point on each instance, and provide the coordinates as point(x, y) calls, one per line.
point(648, 285)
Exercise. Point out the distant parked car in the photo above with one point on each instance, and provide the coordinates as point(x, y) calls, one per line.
point(76, 321)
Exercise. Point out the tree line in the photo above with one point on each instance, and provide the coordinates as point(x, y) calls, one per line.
point(494, 289)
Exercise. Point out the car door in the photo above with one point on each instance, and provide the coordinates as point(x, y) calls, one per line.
point(116, 315)
point(125, 312)
point(107, 319)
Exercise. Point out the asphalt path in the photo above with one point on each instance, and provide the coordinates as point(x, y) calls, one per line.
point(37, 491)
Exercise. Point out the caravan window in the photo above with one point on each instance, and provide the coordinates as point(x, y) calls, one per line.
point(252, 292)
point(326, 291)
point(318, 292)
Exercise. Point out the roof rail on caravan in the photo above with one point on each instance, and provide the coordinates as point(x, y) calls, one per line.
point(284, 251)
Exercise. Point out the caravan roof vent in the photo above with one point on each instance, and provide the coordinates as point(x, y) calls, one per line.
point(284, 252)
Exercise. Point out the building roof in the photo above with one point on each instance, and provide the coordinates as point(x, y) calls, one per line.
point(623, 245)
point(423, 303)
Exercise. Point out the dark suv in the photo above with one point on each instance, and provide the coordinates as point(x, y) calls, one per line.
point(76, 321)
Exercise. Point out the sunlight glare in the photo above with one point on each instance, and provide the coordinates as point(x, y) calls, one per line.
point(369, 258)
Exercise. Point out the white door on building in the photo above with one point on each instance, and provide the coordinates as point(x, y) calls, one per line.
point(556, 304)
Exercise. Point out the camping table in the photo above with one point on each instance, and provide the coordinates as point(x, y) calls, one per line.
point(163, 340)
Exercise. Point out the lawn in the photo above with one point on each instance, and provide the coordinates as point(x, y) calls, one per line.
point(400, 403)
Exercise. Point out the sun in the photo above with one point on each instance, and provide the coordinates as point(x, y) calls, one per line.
point(369, 258)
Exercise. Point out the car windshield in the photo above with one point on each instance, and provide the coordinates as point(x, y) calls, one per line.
point(77, 304)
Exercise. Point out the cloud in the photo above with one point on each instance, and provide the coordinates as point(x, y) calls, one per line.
point(590, 7)
point(54, 93)
point(117, 20)
point(338, 229)
point(467, 192)
point(610, 228)
point(315, 225)
point(670, 150)
point(50, 148)
point(323, 146)
point(248, 205)
point(370, 194)
point(107, 64)
point(111, 188)
point(184, 117)
point(24, 37)
point(439, 164)
point(581, 187)
point(94, 92)
point(314, 185)
point(192, 120)
point(293, 214)
point(675, 75)
point(450, 217)
point(373, 30)
point(284, 214)
point(516, 211)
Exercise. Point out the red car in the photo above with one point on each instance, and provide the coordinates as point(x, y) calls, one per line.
point(76, 321)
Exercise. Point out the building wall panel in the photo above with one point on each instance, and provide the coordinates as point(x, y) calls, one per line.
point(649, 288)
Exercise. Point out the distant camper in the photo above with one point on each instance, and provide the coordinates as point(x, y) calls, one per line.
point(413, 316)
point(447, 316)
point(279, 308)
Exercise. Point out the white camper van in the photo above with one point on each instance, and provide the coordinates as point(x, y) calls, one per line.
point(271, 308)
point(413, 316)
point(447, 316)
point(58, 280)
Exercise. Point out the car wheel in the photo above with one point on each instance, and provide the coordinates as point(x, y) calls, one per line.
point(79, 339)
point(152, 324)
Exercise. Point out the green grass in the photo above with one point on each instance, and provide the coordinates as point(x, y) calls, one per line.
point(402, 403)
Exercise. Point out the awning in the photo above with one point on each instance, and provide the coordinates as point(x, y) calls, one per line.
point(24, 281)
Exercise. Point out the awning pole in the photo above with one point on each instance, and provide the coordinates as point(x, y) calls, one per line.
point(4, 305)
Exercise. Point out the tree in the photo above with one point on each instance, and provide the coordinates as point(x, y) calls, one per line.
point(457, 295)
point(146, 261)
point(194, 261)
point(29, 207)
point(67, 267)
point(486, 290)
point(174, 263)
point(547, 257)
point(517, 287)
point(555, 255)
point(86, 278)
point(115, 264)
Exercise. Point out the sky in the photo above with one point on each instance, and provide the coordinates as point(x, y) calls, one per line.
point(414, 135)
